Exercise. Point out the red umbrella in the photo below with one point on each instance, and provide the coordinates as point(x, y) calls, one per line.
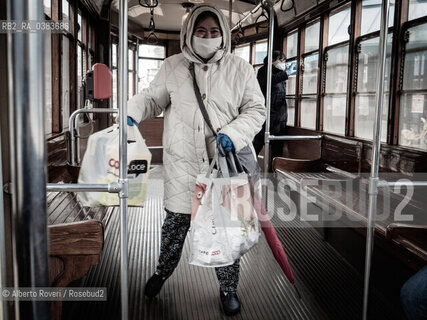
point(272, 239)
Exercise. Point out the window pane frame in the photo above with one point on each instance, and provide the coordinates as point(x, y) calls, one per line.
point(260, 55)
point(335, 13)
point(289, 52)
point(413, 100)
point(364, 128)
point(337, 126)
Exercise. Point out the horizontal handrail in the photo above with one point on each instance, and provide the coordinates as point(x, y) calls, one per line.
point(76, 187)
point(382, 184)
point(295, 137)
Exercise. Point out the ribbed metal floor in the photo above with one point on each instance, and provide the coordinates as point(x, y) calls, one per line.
point(330, 287)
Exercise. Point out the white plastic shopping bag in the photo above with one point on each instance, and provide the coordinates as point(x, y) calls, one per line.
point(224, 224)
point(101, 164)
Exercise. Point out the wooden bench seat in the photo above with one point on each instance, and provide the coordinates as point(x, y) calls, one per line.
point(76, 239)
point(313, 177)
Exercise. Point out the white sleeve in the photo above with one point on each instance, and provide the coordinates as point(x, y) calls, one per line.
point(151, 101)
point(248, 123)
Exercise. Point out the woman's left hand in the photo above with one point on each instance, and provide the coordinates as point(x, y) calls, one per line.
point(225, 142)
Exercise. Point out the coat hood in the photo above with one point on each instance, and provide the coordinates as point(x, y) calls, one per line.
point(187, 33)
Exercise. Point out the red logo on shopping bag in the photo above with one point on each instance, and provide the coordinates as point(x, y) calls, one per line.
point(215, 253)
point(113, 163)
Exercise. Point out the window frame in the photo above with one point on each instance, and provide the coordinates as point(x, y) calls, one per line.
point(403, 39)
point(326, 47)
point(309, 96)
point(138, 58)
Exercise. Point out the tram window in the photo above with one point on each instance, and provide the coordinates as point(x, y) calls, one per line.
point(114, 55)
point(309, 91)
point(65, 10)
point(91, 40)
point(312, 33)
point(311, 68)
point(151, 51)
point(149, 62)
point(114, 97)
point(90, 60)
point(48, 83)
point(260, 51)
point(292, 44)
point(65, 88)
point(308, 113)
point(47, 8)
point(413, 101)
point(365, 102)
point(147, 70)
point(417, 9)
point(292, 79)
point(130, 85)
point(79, 74)
point(339, 22)
point(130, 59)
point(371, 16)
point(114, 70)
point(80, 26)
point(334, 110)
point(243, 52)
point(291, 112)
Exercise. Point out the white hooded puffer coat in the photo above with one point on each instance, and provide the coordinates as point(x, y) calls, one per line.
point(232, 98)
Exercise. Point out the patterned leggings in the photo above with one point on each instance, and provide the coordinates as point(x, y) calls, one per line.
point(174, 231)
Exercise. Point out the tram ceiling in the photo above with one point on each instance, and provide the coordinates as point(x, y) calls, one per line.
point(168, 14)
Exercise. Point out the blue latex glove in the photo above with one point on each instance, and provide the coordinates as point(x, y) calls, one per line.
point(225, 142)
point(132, 122)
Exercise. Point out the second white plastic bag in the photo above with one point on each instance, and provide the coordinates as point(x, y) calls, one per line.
point(224, 224)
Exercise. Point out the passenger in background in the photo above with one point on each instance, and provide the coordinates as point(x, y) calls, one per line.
point(414, 296)
point(278, 110)
point(236, 109)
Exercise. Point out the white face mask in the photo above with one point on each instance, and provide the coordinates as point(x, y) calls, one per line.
point(280, 65)
point(206, 47)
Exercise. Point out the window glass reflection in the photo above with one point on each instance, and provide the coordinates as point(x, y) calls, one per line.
point(338, 26)
point(312, 33)
point(292, 45)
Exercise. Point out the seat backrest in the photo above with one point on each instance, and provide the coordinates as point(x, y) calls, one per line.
point(342, 153)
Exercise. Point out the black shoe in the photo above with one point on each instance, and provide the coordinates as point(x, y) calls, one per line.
point(154, 285)
point(230, 302)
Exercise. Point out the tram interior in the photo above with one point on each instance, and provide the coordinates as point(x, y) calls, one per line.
point(332, 50)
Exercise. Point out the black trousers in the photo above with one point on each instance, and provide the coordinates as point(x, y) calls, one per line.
point(174, 231)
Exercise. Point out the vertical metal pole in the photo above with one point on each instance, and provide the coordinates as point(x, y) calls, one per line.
point(3, 305)
point(268, 93)
point(373, 180)
point(123, 90)
point(27, 140)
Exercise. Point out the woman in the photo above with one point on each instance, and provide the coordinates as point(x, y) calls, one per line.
point(279, 112)
point(236, 109)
